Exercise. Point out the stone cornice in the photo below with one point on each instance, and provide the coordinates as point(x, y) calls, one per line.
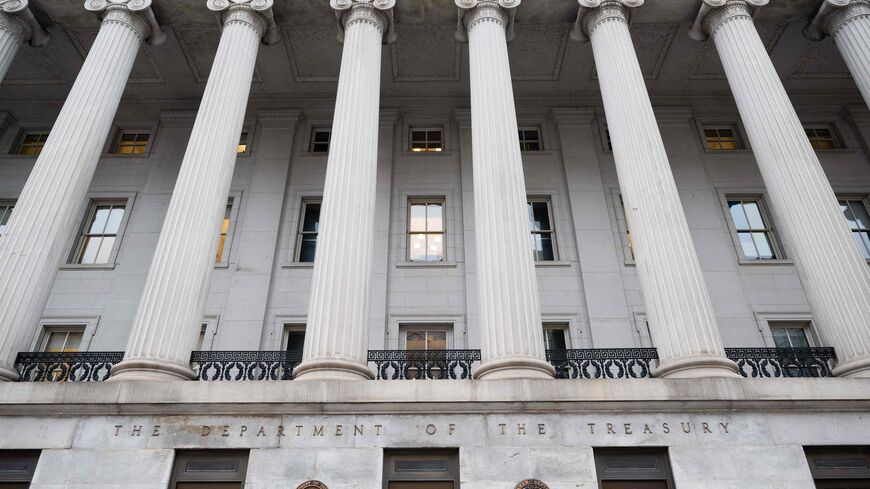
point(257, 13)
point(833, 14)
point(178, 119)
point(573, 116)
point(715, 12)
point(472, 12)
point(135, 13)
point(673, 115)
point(15, 15)
point(593, 12)
point(377, 12)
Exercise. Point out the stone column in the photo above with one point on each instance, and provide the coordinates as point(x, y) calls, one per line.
point(47, 213)
point(834, 275)
point(17, 26)
point(682, 323)
point(848, 22)
point(510, 316)
point(170, 312)
point(337, 334)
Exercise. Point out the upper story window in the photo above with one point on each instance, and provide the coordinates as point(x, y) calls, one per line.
point(131, 143)
point(242, 148)
point(309, 226)
point(541, 226)
point(5, 213)
point(426, 230)
point(530, 139)
point(790, 334)
point(212, 469)
point(721, 138)
point(63, 339)
point(427, 139)
point(226, 232)
point(294, 339)
point(822, 137)
point(858, 217)
point(753, 228)
point(320, 140)
point(555, 336)
point(98, 241)
point(31, 143)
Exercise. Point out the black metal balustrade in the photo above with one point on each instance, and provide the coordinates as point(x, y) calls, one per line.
point(603, 363)
point(782, 362)
point(91, 366)
point(244, 365)
point(423, 364)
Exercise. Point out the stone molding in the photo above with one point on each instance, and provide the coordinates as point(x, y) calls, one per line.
point(471, 12)
point(256, 13)
point(286, 119)
point(388, 117)
point(834, 14)
point(714, 13)
point(137, 14)
point(593, 12)
point(16, 16)
point(573, 116)
point(178, 119)
point(463, 117)
point(376, 12)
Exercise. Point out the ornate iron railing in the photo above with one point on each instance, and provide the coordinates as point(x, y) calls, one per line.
point(91, 366)
point(244, 365)
point(783, 362)
point(423, 364)
point(603, 363)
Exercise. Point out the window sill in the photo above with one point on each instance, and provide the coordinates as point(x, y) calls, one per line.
point(298, 264)
point(75, 266)
point(124, 156)
point(761, 263)
point(441, 153)
point(720, 152)
point(222, 265)
point(552, 264)
point(425, 264)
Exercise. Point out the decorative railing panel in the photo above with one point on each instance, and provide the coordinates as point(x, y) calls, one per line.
point(244, 365)
point(91, 366)
point(603, 363)
point(423, 364)
point(782, 362)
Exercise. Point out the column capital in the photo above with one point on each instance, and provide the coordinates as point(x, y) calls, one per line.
point(472, 12)
point(834, 14)
point(256, 13)
point(376, 12)
point(16, 16)
point(593, 12)
point(714, 13)
point(135, 13)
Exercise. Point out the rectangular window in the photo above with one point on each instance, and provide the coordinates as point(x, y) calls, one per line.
point(226, 233)
point(822, 137)
point(427, 139)
point(790, 334)
point(839, 467)
point(608, 142)
point(426, 230)
point(5, 213)
point(541, 226)
point(426, 338)
point(421, 469)
point(99, 238)
point(753, 228)
point(31, 143)
point(209, 469)
point(309, 225)
point(555, 336)
point(294, 339)
point(17, 468)
point(242, 148)
point(631, 468)
point(63, 338)
point(131, 143)
point(624, 230)
point(320, 140)
point(530, 140)
point(856, 213)
point(721, 138)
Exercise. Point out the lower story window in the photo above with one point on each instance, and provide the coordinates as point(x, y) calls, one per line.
point(857, 215)
point(629, 468)
point(421, 469)
point(17, 468)
point(209, 469)
point(103, 224)
point(839, 467)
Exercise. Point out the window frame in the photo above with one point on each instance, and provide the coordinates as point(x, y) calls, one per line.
point(119, 131)
point(563, 326)
point(405, 327)
point(663, 472)
point(540, 140)
point(182, 457)
point(19, 142)
point(767, 321)
point(828, 475)
point(861, 197)
point(836, 137)
point(88, 324)
point(781, 257)
point(29, 457)
point(392, 454)
point(304, 202)
point(208, 331)
point(738, 137)
point(231, 230)
point(6, 205)
point(288, 327)
point(426, 201)
point(427, 129)
point(625, 243)
point(547, 199)
point(250, 130)
point(314, 129)
point(93, 201)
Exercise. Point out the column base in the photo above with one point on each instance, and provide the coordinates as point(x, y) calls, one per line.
point(150, 370)
point(8, 375)
point(515, 368)
point(332, 369)
point(698, 366)
point(858, 368)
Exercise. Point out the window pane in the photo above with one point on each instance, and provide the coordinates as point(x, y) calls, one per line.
point(753, 213)
point(417, 247)
point(418, 218)
point(90, 249)
point(798, 338)
point(762, 244)
point(418, 136)
point(307, 248)
point(105, 251)
point(415, 340)
point(56, 341)
point(863, 239)
point(539, 215)
point(73, 341)
point(748, 246)
point(434, 218)
point(312, 218)
point(554, 339)
point(114, 222)
point(846, 209)
point(862, 219)
point(101, 217)
point(435, 247)
point(295, 341)
point(542, 244)
point(737, 215)
point(437, 340)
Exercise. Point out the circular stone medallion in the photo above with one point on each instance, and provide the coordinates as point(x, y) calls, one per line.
point(531, 484)
point(312, 485)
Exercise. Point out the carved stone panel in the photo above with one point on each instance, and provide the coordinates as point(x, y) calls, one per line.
point(821, 60)
point(531, 484)
point(537, 51)
point(427, 53)
point(314, 53)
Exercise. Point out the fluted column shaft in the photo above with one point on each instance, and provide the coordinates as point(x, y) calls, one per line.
point(47, 213)
point(10, 41)
point(17, 26)
point(171, 308)
point(679, 311)
point(336, 337)
point(834, 275)
point(510, 316)
point(850, 28)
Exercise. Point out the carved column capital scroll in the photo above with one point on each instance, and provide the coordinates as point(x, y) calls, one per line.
point(834, 14)
point(377, 12)
point(15, 16)
point(135, 13)
point(257, 13)
point(714, 13)
point(472, 12)
point(593, 12)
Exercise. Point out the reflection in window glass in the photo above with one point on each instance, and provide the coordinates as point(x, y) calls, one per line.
point(100, 233)
point(426, 340)
point(130, 143)
point(542, 230)
point(856, 214)
point(721, 139)
point(426, 230)
point(790, 337)
point(63, 340)
point(32, 143)
point(307, 238)
point(753, 231)
point(821, 138)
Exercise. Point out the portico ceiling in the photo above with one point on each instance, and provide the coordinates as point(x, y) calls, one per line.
point(426, 60)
